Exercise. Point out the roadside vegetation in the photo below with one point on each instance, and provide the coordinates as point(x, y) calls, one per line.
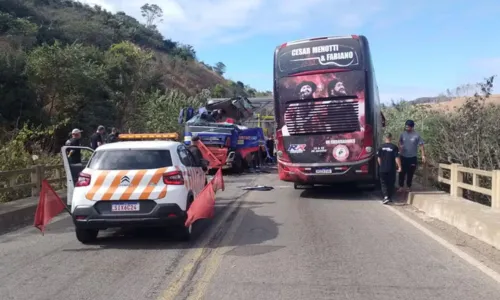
point(64, 65)
point(467, 135)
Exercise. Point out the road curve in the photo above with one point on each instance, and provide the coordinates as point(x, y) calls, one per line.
point(280, 244)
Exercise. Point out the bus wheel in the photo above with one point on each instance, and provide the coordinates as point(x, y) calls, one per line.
point(373, 186)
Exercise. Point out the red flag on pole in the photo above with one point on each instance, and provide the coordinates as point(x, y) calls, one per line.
point(203, 205)
point(49, 206)
point(218, 181)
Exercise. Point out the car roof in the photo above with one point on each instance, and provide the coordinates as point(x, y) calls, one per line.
point(144, 145)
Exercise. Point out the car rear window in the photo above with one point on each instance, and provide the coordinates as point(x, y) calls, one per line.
point(134, 159)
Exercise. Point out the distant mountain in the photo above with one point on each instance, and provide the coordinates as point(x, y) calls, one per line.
point(429, 100)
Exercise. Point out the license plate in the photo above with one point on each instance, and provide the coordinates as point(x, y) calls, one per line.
point(323, 171)
point(133, 206)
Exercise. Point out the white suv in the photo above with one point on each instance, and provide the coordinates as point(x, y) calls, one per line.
point(133, 183)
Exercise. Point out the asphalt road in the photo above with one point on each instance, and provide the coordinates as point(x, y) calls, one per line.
point(282, 244)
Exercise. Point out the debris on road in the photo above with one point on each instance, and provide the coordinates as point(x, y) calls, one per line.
point(258, 188)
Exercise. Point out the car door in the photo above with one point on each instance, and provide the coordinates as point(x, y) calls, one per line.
point(73, 170)
point(186, 167)
point(198, 173)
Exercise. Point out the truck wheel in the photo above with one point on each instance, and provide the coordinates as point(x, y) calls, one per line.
point(238, 164)
point(86, 236)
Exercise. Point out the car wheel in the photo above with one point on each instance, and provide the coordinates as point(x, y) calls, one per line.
point(86, 236)
point(185, 232)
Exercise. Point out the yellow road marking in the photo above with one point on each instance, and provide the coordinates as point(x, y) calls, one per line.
point(215, 258)
point(178, 282)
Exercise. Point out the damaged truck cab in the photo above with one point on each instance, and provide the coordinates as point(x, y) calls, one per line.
point(229, 144)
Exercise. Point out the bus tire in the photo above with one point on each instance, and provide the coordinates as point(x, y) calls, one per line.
point(374, 185)
point(86, 236)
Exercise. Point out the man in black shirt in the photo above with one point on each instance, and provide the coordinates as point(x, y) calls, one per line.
point(193, 148)
point(113, 137)
point(74, 155)
point(96, 139)
point(389, 162)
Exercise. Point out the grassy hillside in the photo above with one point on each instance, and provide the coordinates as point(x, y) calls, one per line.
point(64, 64)
point(458, 102)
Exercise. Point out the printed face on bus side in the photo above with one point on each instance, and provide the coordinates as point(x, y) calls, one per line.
point(338, 89)
point(305, 91)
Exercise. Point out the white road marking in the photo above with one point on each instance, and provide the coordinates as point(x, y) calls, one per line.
point(471, 260)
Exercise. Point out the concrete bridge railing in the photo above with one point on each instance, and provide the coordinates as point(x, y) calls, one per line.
point(463, 180)
point(27, 182)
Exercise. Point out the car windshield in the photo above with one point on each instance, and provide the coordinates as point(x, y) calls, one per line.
point(130, 159)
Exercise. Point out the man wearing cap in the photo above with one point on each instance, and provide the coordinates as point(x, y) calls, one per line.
point(74, 155)
point(96, 139)
point(409, 142)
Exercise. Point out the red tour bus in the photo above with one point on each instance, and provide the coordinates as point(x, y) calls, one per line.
point(327, 111)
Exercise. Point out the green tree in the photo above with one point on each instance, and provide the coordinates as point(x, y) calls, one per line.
point(19, 31)
point(220, 68)
point(152, 13)
point(70, 83)
point(130, 71)
point(159, 110)
point(219, 91)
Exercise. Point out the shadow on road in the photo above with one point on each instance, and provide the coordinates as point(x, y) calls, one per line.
point(255, 229)
point(341, 192)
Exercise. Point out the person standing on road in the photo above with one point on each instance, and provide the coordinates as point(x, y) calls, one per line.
point(97, 139)
point(193, 148)
point(389, 163)
point(74, 155)
point(409, 142)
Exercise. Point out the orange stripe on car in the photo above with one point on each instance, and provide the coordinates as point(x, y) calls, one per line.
point(163, 193)
point(97, 185)
point(115, 184)
point(152, 184)
point(133, 185)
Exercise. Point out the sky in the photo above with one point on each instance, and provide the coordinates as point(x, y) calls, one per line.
point(419, 48)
